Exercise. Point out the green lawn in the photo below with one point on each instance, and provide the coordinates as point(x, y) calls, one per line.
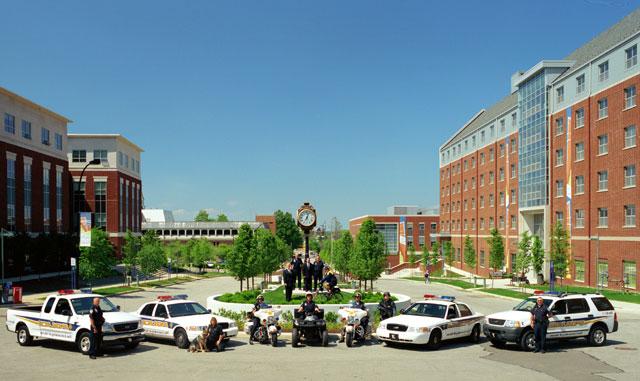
point(212, 274)
point(455, 282)
point(167, 282)
point(276, 297)
point(610, 294)
point(505, 292)
point(116, 290)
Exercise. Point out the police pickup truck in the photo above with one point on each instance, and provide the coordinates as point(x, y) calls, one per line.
point(65, 317)
point(179, 319)
point(573, 315)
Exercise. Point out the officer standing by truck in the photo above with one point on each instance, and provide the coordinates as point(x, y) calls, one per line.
point(539, 322)
point(97, 320)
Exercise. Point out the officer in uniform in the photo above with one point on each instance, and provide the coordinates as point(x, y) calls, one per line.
point(358, 304)
point(307, 272)
point(387, 307)
point(215, 337)
point(256, 322)
point(309, 306)
point(297, 270)
point(97, 320)
point(287, 277)
point(318, 268)
point(539, 322)
point(329, 282)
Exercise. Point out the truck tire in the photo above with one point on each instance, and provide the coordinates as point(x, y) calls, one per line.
point(325, 338)
point(24, 337)
point(182, 340)
point(528, 341)
point(475, 334)
point(597, 335)
point(435, 340)
point(294, 337)
point(84, 342)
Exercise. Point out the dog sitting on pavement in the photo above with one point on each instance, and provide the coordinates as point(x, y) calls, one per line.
point(199, 344)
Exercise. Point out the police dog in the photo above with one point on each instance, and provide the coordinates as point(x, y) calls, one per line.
point(199, 344)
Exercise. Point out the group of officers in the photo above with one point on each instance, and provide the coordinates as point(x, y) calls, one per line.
point(316, 276)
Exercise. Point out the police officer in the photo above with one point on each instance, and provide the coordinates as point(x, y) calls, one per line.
point(358, 303)
point(307, 272)
point(297, 270)
point(97, 320)
point(215, 337)
point(309, 306)
point(318, 268)
point(256, 322)
point(287, 278)
point(387, 307)
point(539, 322)
point(329, 282)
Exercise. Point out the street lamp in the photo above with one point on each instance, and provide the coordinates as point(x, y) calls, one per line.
point(80, 209)
point(597, 239)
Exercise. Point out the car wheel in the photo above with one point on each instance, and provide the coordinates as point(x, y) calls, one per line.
point(597, 336)
point(349, 339)
point(528, 341)
point(182, 340)
point(294, 337)
point(84, 343)
point(435, 340)
point(498, 343)
point(325, 338)
point(23, 336)
point(475, 334)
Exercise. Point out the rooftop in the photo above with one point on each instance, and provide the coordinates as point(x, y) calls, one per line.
point(34, 105)
point(106, 136)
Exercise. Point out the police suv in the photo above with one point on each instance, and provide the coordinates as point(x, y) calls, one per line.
point(431, 321)
point(574, 315)
point(179, 319)
point(65, 317)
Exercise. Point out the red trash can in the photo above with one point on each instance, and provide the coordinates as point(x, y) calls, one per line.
point(17, 295)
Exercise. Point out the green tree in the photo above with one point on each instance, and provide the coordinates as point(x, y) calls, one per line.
point(201, 252)
point(130, 251)
point(202, 216)
point(523, 257)
point(97, 260)
point(469, 253)
point(287, 229)
point(537, 255)
point(447, 253)
point(369, 257)
point(266, 252)
point(239, 259)
point(222, 218)
point(435, 254)
point(177, 252)
point(496, 251)
point(284, 250)
point(559, 250)
point(342, 253)
point(151, 256)
point(412, 257)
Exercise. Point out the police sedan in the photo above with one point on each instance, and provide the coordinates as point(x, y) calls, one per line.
point(179, 319)
point(431, 321)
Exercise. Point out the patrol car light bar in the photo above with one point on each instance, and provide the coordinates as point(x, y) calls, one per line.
point(442, 297)
point(66, 292)
point(164, 298)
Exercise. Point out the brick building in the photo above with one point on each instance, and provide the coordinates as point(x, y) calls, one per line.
point(561, 147)
point(112, 190)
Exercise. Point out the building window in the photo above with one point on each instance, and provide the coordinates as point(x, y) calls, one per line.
point(579, 184)
point(9, 123)
point(100, 194)
point(126, 160)
point(27, 196)
point(512, 199)
point(473, 183)
point(491, 155)
point(59, 198)
point(501, 222)
point(501, 174)
point(603, 217)
point(481, 137)
point(45, 198)
point(491, 224)
point(513, 222)
point(44, 135)
point(560, 218)
point(502, 126)
point(560, 94)
point(78, 156)
point(473, 162)
point(100, 154)
point(481, 158)
point(579, 270)
point(632, 56)
point(559, 126)
point(120, 158)
point(603, 180)
point(514, 120)
point(490, 199)
point(126, 207)
point(481, 223)
point(491, 177)
point(579, 218)
point(603, 274)
point(559, 188)
point(629, 97)
point(482, 180)
point(491, 131)
point(501, 198)
point(26, 129)
point(482, 201)
point(603, 144)
point(559, 157)
point(122, 205)
point(501, 150)
point(465, 166)
point(513, 171)
point(579, 151)
point(473, 203)
point(630, 136)
point(513, 146)
point(473, 141)
point(580, 84)
point(603, 108)
point(630, 175)
point(629, 273)
point(580, 118)
point(58, 142)
point(465, 185)
point(630, 215)
point(11, 193)
point(603, 71)
point(481, 258)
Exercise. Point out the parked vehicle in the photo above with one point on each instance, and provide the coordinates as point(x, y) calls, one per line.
point(309, 327)
point(353, 330)
point(269, 329)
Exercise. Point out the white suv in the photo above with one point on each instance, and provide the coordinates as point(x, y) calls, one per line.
point(574, 315)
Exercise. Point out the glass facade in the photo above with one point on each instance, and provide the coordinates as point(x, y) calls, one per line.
point(390, 234)
point(532, 155)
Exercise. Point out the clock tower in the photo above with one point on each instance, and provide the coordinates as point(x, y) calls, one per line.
point(307, 219)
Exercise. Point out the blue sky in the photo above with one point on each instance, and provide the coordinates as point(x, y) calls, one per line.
point(246, 107)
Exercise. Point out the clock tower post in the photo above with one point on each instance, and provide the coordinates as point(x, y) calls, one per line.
point(306, 219)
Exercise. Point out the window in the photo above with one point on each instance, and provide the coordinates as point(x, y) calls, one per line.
point(9, 123)
point(126, 208)
point(512, 199)
point(560, 218)
point(603, 217)
point(465, 166)
point(482, 180)
point(603, 144)
point(11, 193)
point(473, 141)
point(26, 129)
point(45, 198)
point(491, 199)
point(120, 159)
point(491, 131)
point(501, 222)
point(501, 174)
point(579, 218)
point(513, 145)
point(602, 304)
point(629, 273)
point(579, 270)
point(514, 120)
point(148, 309)
point(44, 136)
point(126, 160)
point(559, 188)
point(122, 205)
point(603, 180)
point(603, 108)
point(513, 171)
point(629, 97)
point(579, 184)
point(559, 157)
point(559, 126)
point(630, 215)
point(473, 203)
point(603, 71)
point(603, 274)
point(473, 162)
point(79, 156)
point(59, 198)
point(62, 306)
point(502, 126)
point(491, 177)
point(465, 185)
point(580, 118)
point(630, 136)
point(100, 195)
point(464, 310)
point(501, 198)
point(491, 223)
point(481, 136)
point(491, 155)
point(100, 154)
point(58, 142)
point(630, 176)
point(560, 94)
point(577, 306)
point(481, 258)
point(482, 201)
point(49, 305)
point(580, 84)
point(579, 151)
point(161, 311)
point(27, 195)
point(501, 150)
point(632, 56)
point(481, 158)
point(482, 223)
point(473, 183)
point(513, 222)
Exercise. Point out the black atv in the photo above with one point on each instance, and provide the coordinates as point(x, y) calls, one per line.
point(311, 327)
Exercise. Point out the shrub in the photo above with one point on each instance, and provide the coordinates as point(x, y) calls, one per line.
point(238, 317)
point(331, 317)
point(286, 317)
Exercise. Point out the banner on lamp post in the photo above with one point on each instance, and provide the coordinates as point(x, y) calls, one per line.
point(85, 229)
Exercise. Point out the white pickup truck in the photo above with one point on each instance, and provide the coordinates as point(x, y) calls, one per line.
point(65, 316)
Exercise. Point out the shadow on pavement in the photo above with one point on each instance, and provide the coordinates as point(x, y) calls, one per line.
point(110, 351)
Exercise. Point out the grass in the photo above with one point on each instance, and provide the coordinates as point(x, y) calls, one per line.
point(212, 274)
point(455, 282)
point(116, 290)
point(505, 292)
point(610, 294)
point(168, 282)
point(277, 297)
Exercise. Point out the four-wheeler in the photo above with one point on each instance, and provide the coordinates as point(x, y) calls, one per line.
point(310, 327)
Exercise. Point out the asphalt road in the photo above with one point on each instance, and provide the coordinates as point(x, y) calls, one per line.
point(572, 360)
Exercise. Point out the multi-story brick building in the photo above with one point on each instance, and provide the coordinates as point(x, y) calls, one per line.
point(561, 147)
point(111, 190)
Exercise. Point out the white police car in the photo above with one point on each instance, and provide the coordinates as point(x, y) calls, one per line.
point(574, 315)
point(431, 321)
point(179, 319)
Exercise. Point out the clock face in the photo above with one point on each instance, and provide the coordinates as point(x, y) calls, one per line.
point(306, 218)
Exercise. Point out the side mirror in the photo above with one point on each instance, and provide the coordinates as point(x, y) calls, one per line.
point(118, 308)
point(209, 310)
point(402, 311)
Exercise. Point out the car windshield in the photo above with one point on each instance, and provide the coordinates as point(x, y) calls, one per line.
point(186, 309)
point(83, 305)
point(427, 309)
point(527, 304)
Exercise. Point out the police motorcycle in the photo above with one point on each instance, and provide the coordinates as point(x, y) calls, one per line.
point(311, 326)
point(269, 329)
point(353, 330)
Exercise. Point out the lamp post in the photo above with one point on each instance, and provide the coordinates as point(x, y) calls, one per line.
point(3, 231)
point(597, 239)
point(80, 209)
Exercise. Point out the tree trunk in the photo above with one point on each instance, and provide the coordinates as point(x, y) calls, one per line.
point(241, 284)
point(253, 286)
point(359, 283)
